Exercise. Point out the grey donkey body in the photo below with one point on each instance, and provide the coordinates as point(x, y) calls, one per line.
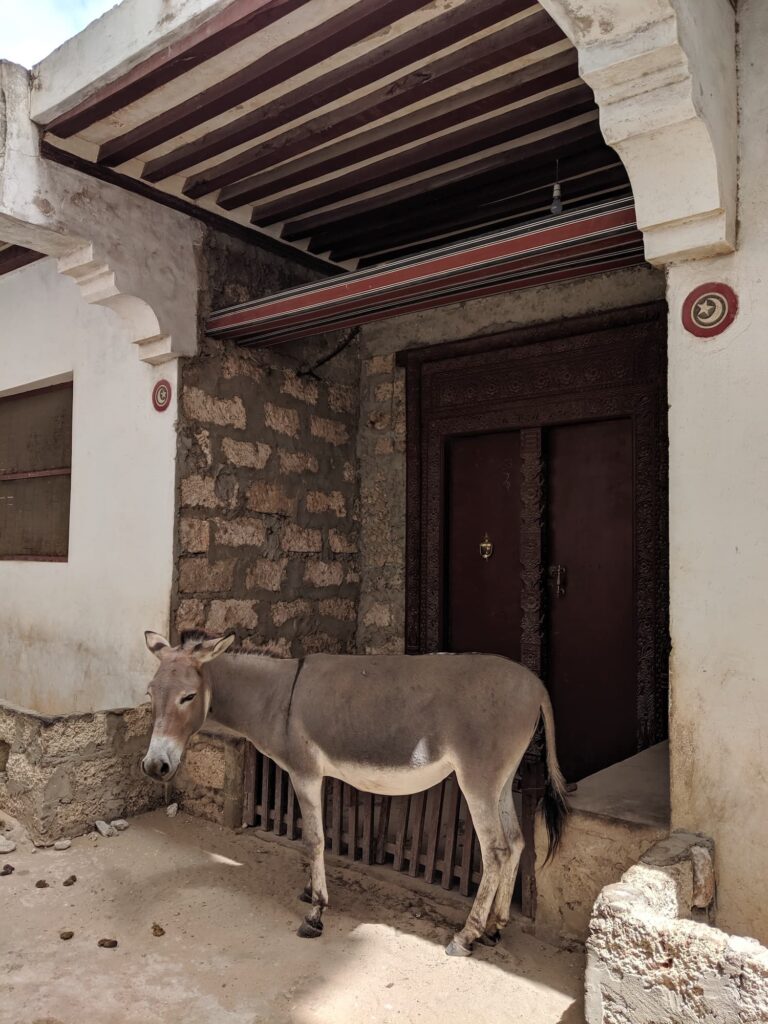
point(388, 724)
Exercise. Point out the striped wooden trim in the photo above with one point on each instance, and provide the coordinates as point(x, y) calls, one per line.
point(592, 240)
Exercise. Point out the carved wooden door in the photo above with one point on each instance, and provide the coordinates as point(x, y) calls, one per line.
point(571, 417)
point(586, 522)
point(482, 587)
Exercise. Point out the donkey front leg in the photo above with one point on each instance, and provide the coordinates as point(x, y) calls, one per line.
point(310, 796)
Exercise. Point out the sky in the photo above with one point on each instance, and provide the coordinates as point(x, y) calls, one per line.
point(31, 29)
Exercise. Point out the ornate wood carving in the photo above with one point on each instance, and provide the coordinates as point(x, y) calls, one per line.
point(531, 553)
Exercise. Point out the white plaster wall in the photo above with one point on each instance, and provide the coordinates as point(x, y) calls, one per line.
point(718, 431)
point(71, 633)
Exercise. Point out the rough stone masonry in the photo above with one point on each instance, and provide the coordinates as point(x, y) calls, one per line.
point(652, 956)
point(268, 495)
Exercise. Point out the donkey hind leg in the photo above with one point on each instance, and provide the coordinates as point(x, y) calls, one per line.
point(310, 797)
point(496, 855)
point(502, 903)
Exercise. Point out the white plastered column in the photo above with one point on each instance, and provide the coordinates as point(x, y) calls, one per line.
point(664, 77)
point(124, 252)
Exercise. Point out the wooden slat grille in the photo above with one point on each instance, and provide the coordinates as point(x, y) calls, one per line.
point(427, 835)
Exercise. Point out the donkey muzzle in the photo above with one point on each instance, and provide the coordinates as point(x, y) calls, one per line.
point(158, 768)
point(162, 759)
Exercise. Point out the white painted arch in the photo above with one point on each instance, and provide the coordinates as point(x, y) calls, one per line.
point(135, 257)
point(664, 77)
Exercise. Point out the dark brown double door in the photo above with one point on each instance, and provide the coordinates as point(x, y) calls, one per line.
point(588, 574)
point(537, 501)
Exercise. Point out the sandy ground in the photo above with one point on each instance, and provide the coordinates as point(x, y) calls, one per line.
point(229, 955)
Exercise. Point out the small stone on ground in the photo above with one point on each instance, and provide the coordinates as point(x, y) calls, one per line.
point(7, 869)
point(66, 935)
point(120, 824)
point(62, 844)
point(105, 830)
point(172, 810)
point(41, 884)
point(107, 943)
point(70, 881)
point(7, 845)
point(158, 930)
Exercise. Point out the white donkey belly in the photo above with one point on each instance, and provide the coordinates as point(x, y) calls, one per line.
point(389, 781)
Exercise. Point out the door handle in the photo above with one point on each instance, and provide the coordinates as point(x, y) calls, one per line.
point(486, 547)
point(558, 576)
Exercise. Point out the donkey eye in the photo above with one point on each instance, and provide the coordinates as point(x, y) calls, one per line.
point(188, 698)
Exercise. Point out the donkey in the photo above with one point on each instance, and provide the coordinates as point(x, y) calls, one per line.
point(388, 724)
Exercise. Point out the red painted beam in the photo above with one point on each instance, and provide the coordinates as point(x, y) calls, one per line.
point(304, 51)
point(457, 282)
point(450, 265)
point(556, 275)
point(240, 20)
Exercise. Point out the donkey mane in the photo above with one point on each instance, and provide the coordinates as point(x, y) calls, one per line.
point(190, 639)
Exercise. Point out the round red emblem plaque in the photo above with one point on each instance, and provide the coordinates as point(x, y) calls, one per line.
point(709, 309)
point(161, 395)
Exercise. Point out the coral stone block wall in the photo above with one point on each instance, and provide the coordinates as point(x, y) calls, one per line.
point(268, 526)
point(60, 774)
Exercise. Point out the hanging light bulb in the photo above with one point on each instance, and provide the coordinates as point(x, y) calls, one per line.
point(557, 200)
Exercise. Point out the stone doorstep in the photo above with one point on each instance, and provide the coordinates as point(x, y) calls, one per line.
point(616, 815)
point(63, 772)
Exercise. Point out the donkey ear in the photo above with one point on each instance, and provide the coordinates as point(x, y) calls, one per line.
point(156, 643)
point(211, 648)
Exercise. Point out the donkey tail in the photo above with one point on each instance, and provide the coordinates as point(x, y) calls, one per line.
point(554, 801)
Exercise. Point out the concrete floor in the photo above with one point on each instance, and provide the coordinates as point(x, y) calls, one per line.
point(229, 955)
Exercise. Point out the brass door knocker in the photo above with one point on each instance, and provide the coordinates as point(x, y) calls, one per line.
point(486, 547)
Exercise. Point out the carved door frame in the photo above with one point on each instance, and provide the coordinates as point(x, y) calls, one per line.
point(518, 381)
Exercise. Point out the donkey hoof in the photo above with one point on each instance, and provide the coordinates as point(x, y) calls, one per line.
point(455, 948)
point(307, 930)
point(490, 938)
point(305, 897)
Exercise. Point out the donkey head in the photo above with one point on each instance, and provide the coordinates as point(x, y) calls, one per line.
point(180, 695)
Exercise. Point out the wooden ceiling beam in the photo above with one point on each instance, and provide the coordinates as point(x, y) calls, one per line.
point(465, 199)
point(466, 142)
point(304, 51)
point(462, 107)
point(239, 20)
point(411, 47)
point(13, 257)
point(447, 230)
point(554, 144)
